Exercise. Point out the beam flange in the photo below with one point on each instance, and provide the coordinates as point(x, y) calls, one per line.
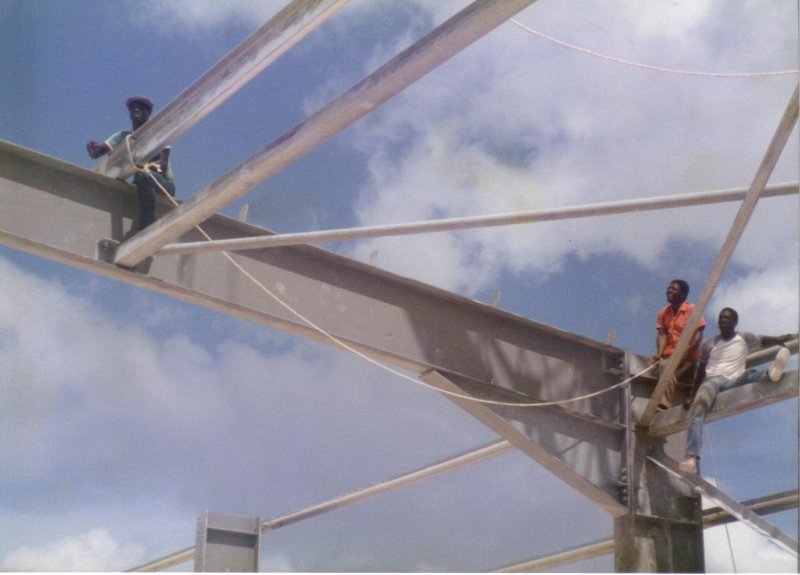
point(475, 21)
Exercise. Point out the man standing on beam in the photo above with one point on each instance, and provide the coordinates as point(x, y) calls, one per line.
point(159, 171)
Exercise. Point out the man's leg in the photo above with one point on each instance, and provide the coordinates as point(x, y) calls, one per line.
point(147, 187)
point(702, 404)
point(147, 199)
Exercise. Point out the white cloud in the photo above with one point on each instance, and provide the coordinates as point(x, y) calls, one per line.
point(95, 550)
point(752, 553)
point(515, 123)
point(202, 15)
point(767, 300)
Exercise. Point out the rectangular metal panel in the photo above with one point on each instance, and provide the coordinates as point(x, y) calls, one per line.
point(227, 543)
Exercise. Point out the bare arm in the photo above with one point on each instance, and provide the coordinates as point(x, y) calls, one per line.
point(661, 342)
point(769, 340)
point(96, 150)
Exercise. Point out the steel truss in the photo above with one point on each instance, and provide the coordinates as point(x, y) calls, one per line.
point(451, 343)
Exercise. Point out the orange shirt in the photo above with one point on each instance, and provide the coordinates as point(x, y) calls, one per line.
point(672, 325)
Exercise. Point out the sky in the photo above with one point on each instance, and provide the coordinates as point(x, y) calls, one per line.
point(128, 412)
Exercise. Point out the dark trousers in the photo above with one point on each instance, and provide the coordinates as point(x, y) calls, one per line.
point(146, 191)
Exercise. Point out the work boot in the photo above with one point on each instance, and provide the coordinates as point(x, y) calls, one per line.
point(775, 371)
point(689, 464)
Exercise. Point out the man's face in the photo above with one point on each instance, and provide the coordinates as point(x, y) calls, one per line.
point(674, 293)
point(726, 320)
point(139, 113)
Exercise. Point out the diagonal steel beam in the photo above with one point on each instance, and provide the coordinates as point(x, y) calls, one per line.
point(221, 81)
point(471, 222)
point(760, 180)
point(400, 322)
point(475, 21)
point(586, 457)
point(729, 504)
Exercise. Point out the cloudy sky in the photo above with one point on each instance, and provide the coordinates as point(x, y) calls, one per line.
point(126, 412)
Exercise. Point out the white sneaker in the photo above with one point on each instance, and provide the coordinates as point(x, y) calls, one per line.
point(689, 464)
point(775, 371)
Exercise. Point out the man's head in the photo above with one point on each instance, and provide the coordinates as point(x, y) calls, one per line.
point(728, 319)
point(139, 109)
point(677, 291)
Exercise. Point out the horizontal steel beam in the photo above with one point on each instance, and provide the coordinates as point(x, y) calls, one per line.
point(734, 401)
point(225, 78)
point(475, 21)
point(507, 219)
point(729, 403)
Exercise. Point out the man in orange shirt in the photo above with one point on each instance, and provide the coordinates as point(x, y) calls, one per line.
point(670, 323)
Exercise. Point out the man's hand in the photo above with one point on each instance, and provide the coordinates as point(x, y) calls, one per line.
point(96, 150)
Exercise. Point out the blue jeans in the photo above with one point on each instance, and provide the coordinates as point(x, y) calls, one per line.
point(146, 191)
point(704, 401)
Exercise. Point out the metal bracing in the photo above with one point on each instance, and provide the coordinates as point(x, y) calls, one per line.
point(589, 464)
point(770, 159)
point(711, 518)
point(515, 218)
point(475, 21)
point(221, 81)
point(452, 464)
point(738, 510)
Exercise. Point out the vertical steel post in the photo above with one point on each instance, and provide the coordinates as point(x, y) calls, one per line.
point(663, 532)
point(227, 543)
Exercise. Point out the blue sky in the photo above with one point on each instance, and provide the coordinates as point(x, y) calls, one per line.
point(128, 412)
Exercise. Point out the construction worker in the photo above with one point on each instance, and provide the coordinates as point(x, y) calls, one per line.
point(670, 323)
point(160, 171)
point(722, 366)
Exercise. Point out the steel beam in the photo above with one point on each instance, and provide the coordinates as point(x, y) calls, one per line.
point(452, 464)
point(768, 162)
point(729, 403)
point(712, 517)
point(221, 81)
point(735, 508)
point(62, 212)
point(590, 465)
point(475, 21)
point(472, 222)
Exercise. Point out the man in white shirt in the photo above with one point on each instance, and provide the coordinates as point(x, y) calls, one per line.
point(722, 366)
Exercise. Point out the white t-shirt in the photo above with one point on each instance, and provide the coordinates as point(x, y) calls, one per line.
point(727, 358)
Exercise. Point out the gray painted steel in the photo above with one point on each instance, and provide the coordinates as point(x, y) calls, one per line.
point(476, 20)
point(398, 321)
point(738, 510)
point(235, 70)
point(768, 162)
point(472, 222)
point(227, 543)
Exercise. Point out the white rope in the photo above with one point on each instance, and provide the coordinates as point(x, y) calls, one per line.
point(647, 66)
point(338, 342)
